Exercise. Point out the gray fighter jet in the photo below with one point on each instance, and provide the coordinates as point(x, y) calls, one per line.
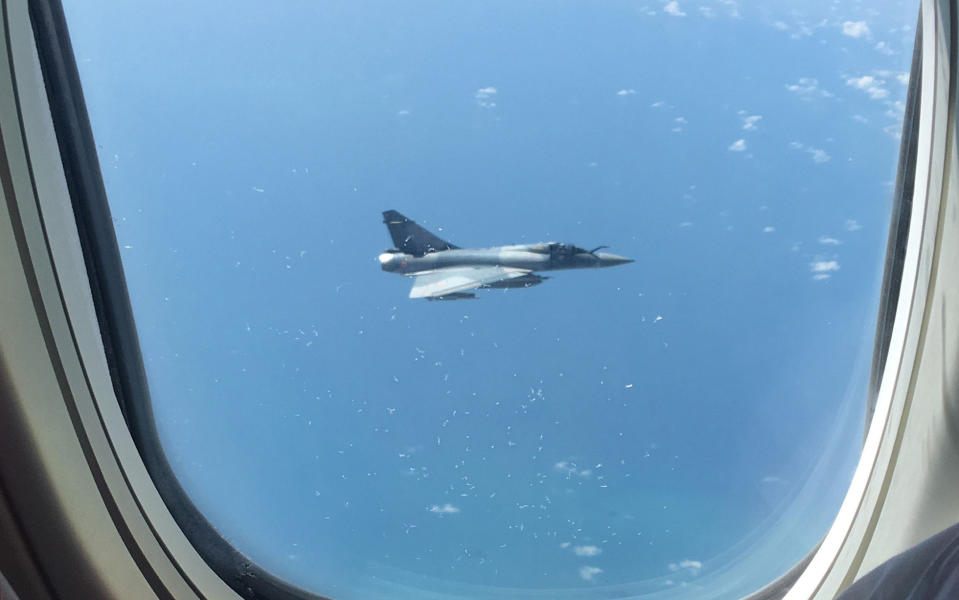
point(442, 271)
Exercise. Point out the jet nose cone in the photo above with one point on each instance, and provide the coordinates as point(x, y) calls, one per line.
point(611, 260)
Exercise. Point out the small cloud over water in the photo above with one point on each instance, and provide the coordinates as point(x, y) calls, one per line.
point(589, 573)
point(486, 96)
point(691, 567)
point(855, 29)
point(738, 146)
point(672, 8)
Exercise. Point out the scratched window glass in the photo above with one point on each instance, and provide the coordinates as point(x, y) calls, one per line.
point(508, 299)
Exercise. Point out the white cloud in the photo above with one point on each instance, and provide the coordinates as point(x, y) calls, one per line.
point(860, 118)
point(895, 109)
point(657, 104)
point(870, 85)
point(403, 113)
point(571, 469)
point(587, 551)
point(672, 8)
point(738, 146)
point(564, 545)
point(628, 92)
point(852, 225)
point(802, 30)
point(732, 7)
point(903, 78)
point(751, 122)
point(855, 29)
point(446, 509)
point(808, 87)
point(681, 120)
point(769, 229)
point(707, 12)
point(829, 241)
point(588, 573)
point(893, 130)
point(883, 48)
point(818, 155)
point(780, 26)
point(485, 96)
point(693, 567)
point(823, 269)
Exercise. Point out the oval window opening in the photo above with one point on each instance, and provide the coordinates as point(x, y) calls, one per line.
point(291, 186)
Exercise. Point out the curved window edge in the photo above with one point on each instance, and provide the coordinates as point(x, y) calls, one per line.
point(891, 281)
point(886, 509)
point(898, 227)
point(113, 310)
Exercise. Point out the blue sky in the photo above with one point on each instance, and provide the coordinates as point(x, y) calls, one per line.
point(684, 423)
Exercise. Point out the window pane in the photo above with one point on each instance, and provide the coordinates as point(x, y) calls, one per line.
point(685, 424)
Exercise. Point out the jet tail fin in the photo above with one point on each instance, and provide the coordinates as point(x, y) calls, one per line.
point(412, 239)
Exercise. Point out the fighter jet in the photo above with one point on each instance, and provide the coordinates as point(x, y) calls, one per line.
point(442, 271)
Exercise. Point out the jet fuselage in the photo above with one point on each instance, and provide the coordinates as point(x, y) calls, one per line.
point(443, 271)
point(532, 257)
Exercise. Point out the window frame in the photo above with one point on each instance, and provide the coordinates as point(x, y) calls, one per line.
point(178, 552)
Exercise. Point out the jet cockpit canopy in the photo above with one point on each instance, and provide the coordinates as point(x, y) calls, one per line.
point(562, 249)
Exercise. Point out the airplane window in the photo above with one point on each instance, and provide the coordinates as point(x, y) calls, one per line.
point(692, 415)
